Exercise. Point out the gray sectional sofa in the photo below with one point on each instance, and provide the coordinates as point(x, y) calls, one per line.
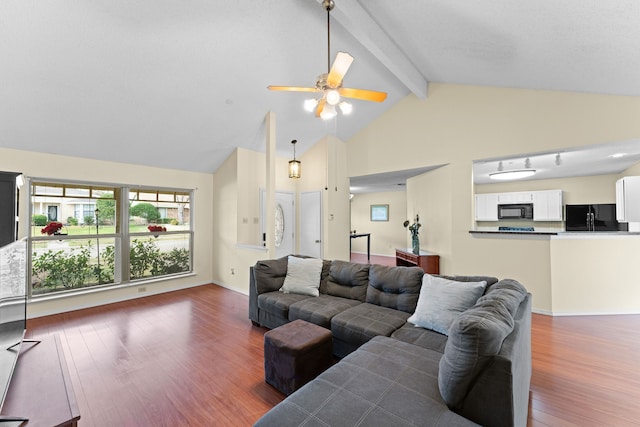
point(392, 372)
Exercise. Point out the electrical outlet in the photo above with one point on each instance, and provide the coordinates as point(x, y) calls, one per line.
point(142, 289)
point(233, 271)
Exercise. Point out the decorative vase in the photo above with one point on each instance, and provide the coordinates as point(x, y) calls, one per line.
point(415, 244)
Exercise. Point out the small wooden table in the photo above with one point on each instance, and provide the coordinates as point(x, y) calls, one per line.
point(41, 389)
point(428, 261)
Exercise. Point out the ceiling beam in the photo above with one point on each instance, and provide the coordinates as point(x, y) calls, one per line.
point(357, 21)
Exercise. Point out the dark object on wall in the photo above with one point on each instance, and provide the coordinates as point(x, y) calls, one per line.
point(593, 217)
point(8, 209)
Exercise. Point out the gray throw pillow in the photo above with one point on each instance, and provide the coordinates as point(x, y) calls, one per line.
point(303, 276)
point(442, 300)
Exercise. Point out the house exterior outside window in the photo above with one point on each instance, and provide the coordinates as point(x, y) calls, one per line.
point(106, 235)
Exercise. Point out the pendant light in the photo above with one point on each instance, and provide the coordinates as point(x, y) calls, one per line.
point(294, 165)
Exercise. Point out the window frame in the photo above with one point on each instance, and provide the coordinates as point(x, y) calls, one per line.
point(122, 234)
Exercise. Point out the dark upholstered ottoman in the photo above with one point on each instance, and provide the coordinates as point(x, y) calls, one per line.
point(296, 353)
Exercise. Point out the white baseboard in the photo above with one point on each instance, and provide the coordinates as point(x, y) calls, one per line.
point(582, 313)
point(240, 291)
point(37, 305)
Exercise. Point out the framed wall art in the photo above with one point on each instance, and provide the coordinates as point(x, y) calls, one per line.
point(379, 212)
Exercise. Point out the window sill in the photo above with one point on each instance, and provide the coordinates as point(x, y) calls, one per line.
point(106, 288)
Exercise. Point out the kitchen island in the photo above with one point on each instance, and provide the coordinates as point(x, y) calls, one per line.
point(586, 272)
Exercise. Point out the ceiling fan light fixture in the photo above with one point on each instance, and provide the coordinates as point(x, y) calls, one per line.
point(333, 97)
point(310, 104)
point(328, 112)
point(345, 107)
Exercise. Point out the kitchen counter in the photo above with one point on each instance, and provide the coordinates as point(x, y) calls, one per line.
point(553, 232)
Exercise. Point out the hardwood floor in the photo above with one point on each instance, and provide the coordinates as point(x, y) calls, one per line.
point(192, 358)
point(375, 259)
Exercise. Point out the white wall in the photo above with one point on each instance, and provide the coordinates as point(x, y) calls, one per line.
point(457, 124)
point(42, 165)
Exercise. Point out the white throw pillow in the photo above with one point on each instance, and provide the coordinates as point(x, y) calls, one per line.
point(442, 300)
point(303, 276)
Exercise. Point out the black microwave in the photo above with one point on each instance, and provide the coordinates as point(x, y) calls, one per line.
point(516, 211)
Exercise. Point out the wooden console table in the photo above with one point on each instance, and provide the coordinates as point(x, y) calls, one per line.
point(428, 261)
point(41, 389)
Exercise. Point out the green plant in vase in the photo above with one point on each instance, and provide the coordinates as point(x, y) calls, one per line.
point(413, 229)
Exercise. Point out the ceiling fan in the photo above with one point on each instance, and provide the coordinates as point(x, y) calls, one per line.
point(329, 85)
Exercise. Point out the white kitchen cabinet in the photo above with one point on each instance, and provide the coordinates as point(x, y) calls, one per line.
point(628, 199)
point(547, 205)
point(514, 197)
point(487, 207)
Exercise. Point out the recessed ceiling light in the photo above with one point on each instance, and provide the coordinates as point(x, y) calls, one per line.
point(617, 155)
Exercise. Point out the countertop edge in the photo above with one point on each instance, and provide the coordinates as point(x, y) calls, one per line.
point(528, 233)
point(559, 233)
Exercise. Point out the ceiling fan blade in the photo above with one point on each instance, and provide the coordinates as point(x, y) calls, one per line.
point(339, 68)
point(366, 95)
point(320, 106)
point(293, 88)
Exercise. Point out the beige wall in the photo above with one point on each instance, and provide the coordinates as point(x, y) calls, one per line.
point(386, 236)
point(251, 176)
point(240, 178)
point(599, 273)
point(430, 195)
point(457, 124)
point(43, 165)
point(324, 168)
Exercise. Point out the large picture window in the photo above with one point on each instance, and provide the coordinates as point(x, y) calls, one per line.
point(87, 235)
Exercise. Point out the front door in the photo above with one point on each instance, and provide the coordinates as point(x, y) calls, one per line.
point(285, 226)
point(52, 213)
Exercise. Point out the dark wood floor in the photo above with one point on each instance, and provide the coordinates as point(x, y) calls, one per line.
point(192, 358)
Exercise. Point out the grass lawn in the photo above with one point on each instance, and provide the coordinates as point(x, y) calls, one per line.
point(90, 230)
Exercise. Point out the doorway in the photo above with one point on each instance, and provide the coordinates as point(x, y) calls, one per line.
point(311, 224)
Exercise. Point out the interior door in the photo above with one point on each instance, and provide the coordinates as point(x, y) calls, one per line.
point(311, 224)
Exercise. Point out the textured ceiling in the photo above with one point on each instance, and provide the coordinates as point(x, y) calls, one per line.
point(180, 84)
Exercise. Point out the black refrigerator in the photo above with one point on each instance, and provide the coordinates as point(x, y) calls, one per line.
point(594, 217)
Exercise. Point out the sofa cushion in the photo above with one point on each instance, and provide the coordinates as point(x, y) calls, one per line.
point(441, 300)
point(475, 337)
point(348, 280)
point(278, 303)
point(394, 287)
point(303, 276)
point(489, 279)
point(510, 294)
point(384, 383)
point(359, 324)
point(269, 274)
point(320, 310)
point(425, 338)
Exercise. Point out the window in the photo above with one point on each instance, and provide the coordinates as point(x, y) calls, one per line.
point(88, 245)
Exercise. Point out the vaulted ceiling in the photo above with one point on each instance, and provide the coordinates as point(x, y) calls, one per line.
point(179, 84)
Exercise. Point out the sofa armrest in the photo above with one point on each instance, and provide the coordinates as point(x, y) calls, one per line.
point(253, 298)
point(500, 395)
